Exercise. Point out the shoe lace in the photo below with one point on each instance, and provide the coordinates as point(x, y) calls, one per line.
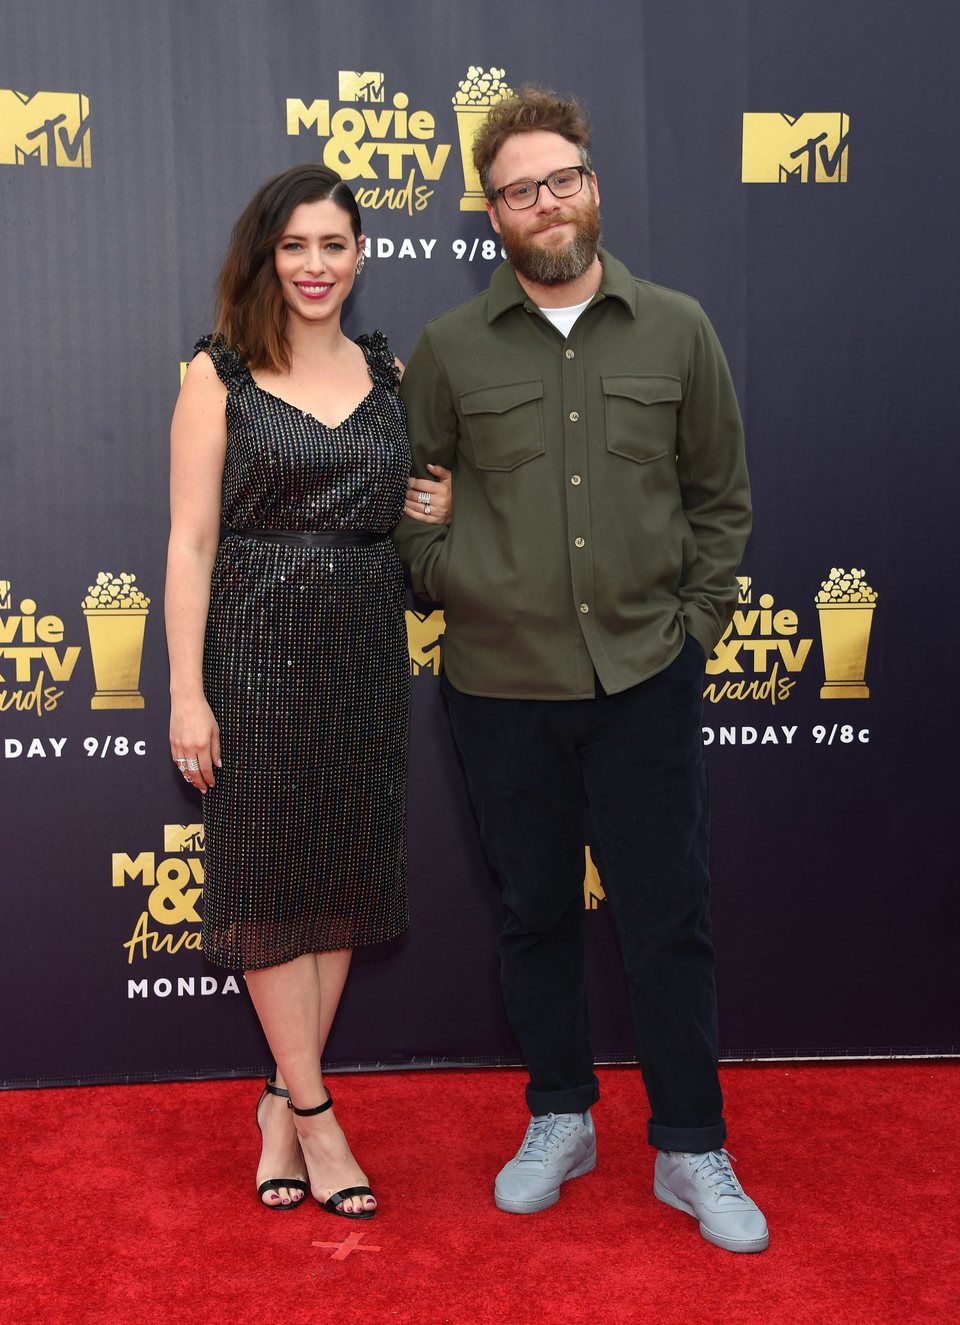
point(714, 1169)
point(544, 1132)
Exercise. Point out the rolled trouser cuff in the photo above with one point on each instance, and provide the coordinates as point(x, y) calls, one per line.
point(577, 1099)
point(687, 1140)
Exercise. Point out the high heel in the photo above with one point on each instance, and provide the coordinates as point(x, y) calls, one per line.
point(334, 1200)
point(274, 1184)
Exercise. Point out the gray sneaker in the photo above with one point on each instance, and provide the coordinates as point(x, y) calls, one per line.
point(705, 1186)
point(556, 1148)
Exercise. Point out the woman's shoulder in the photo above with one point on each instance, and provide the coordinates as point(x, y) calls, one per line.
point(227, 361)
point(379, 356)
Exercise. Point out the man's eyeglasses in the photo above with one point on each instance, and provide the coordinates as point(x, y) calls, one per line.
point(525, 192)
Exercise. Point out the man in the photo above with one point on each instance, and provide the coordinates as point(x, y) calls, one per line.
point(601, 510)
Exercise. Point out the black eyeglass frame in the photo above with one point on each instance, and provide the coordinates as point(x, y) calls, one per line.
point(563, 170)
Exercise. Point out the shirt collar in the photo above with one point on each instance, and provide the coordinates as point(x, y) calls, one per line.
point(506, 292)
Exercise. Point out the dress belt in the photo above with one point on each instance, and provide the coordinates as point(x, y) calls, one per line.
point(318, 538)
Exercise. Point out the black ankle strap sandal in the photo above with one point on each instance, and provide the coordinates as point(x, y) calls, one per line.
point(274, 1184)
point(335, 1199)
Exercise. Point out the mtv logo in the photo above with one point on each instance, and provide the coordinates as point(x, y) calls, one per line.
point(5, 588)
point(44, 128)
point(178, 838)
point(804, 149)
point(366, 86)
point(745, 593)
point(593, 893)
point(424, 641)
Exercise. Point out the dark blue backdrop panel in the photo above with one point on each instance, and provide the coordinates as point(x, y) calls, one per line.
point(131, 137)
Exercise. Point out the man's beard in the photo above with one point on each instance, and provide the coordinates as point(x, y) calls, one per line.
point(555, 266)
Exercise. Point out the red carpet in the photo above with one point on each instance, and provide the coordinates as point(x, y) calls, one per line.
point(135, 1205)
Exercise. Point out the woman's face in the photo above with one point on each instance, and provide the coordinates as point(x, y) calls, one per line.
point(316, 260)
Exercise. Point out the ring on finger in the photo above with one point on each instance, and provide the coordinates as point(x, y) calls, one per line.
point(423, 497)
point(192, 764)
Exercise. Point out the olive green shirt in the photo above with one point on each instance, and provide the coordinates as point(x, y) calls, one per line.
point(601, 500)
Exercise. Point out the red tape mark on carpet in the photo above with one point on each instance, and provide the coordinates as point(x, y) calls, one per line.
point(343, 1249)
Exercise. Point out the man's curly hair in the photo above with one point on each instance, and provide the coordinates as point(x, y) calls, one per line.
point(530, 109)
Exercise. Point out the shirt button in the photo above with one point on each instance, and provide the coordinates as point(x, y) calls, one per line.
point(569, 354)
point(574, 416)
point(579, 542)
point(584, 608)
point(576, 480)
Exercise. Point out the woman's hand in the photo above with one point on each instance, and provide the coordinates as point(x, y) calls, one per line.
point(195, 741)
point(436, 504)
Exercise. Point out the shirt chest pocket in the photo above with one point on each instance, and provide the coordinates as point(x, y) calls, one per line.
point(640, 414)
point(503, 425)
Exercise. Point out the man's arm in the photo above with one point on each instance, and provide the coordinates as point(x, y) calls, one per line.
point(433, 430)
point(715, 489)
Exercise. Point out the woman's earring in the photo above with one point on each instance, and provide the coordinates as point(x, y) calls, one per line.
point(363, 258)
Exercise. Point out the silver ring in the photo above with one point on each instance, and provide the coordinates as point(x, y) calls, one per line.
point(181, 764)
point(192, 764)
point(426, 508)
point(423, 497)
point(185, 775)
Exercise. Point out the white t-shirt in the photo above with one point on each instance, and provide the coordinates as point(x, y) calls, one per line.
point(564, 318)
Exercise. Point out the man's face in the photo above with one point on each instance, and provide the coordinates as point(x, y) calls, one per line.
point(555, 240)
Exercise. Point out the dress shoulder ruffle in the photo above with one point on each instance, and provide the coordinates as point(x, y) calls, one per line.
point(383, 366)
point(230, 367)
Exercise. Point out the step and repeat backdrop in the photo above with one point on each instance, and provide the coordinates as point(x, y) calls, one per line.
point(790, 165)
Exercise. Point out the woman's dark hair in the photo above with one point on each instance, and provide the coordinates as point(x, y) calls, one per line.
point(251, 314)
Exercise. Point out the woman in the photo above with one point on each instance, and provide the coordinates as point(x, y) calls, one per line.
point(288, 657)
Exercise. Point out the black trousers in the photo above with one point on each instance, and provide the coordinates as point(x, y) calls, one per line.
point(632, 766)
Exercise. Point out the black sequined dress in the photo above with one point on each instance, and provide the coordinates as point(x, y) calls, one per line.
point(306, 669)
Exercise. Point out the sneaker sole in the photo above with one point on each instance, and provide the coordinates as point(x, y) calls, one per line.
point(550, 1198)
point(748, 1245)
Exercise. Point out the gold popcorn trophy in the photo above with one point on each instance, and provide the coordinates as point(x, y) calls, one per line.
point(472, 101)
point(116, 613)
point(845, 603)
